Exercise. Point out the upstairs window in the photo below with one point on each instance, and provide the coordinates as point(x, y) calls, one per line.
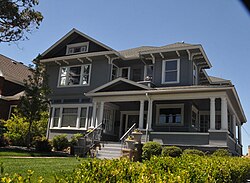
point(114, 73)
point(125, 72)
point(148, 72)
point(170, 71)
point(195, 75)
point(77, 48)
point(75, 75)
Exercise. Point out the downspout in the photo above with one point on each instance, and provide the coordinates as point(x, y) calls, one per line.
point(148, 117)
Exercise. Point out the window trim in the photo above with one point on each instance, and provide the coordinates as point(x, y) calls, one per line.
point(120, 72)
point(196, 111)
point(78, 106)
point(77, 45)
point(117, 74)
point(81, 75)
point(169, 106)
point(195, 82)
point(164, 70)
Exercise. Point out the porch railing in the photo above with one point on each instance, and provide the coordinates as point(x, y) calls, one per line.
point(126, 134)
point(91, 140)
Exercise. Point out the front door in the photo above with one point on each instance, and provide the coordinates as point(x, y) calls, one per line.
point(131, 119)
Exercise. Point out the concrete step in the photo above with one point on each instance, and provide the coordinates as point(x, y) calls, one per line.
point(110, 150)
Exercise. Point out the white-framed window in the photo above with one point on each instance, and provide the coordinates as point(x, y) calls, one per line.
point(195, 74)
point(77, 48)
point(124, 72)
point(69, 116)
point(170, 114)
point(195, 118)
point(114, 72)
point(78, 75)
point(109, 119)
point(170, 71)
point(148, 72)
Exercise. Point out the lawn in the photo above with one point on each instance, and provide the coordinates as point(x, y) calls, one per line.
point(45, 167)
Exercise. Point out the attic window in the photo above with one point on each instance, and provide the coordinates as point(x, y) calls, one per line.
point(77, 48)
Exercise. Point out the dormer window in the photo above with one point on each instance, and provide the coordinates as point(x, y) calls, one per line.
point(77, 48)
point(195, 74)
point(170, 71)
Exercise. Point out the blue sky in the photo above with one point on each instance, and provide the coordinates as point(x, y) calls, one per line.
point(222, 27)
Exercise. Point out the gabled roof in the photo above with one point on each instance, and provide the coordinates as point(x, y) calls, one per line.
point(217, 80)
point(13, 71)
point(118, 80)
point(81, 34)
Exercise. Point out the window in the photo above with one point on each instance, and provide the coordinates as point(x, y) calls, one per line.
point(71, 116)
point(75, 75)
point(195, 75)
point(148, 72)
point(125, 72)
point(109, 118)
point(77, 48)
point(195, 120)
point(170, 71)
point(170, 114)
point(114, 73)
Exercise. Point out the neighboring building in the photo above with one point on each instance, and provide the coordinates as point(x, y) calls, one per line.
point(164, 90)
point(12, 75)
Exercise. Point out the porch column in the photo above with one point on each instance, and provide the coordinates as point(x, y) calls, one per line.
point(93, 119)
point(141, 117)
point(100, 114)
point(212, 113)
point(149, 117)
point(234, 125)
point(239, 133)
point(224, 120)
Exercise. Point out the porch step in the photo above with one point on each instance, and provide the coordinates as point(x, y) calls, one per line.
point(111, 150)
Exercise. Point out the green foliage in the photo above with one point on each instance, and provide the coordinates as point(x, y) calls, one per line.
point(17, 129)
point(185, 168)
point(150, 149)
point(42, 144)
point(60, 142)
point(17, 19)
point(193, 152)
point(74, 139)
point(172, 151)
point(222, 153)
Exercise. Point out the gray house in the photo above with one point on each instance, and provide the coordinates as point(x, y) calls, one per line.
point(164, 90)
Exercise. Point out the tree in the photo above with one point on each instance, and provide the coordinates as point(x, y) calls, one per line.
point(35, 101)
point(18, 17)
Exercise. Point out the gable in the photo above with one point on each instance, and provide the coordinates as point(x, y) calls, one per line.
point(121, 86)
point(74, 37)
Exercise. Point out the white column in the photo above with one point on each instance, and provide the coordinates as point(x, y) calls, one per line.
point(212, 113)
point(224, 120)
point(239, 133)
point(141, 117)
point(78, 117)
point(93, 119)
point(234, 125)
point(149, 117)
point(100, 113)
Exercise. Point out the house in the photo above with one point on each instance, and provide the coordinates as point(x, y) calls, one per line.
point(165, 90)
point(12, 76)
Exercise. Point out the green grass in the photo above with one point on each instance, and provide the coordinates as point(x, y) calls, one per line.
point(9, 152)
point(45, 167)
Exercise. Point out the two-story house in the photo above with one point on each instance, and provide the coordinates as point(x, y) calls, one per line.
point(164, 90)
point(12, 76)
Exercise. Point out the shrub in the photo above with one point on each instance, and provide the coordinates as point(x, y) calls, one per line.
point(221, 153)
point(60, 142)
point(42, 144)
point(150, 149)
point(193, 152)
point(172, 151)
point(74, 139)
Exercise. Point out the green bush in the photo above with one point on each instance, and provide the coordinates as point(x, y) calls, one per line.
point(221, 153)
point(193, 152)
point(172, 151)
point(60, 142)
point(74, 139)
point(150, 149)
point(42, 144)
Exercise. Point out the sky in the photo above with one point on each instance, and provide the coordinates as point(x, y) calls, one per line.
point(222, 27)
